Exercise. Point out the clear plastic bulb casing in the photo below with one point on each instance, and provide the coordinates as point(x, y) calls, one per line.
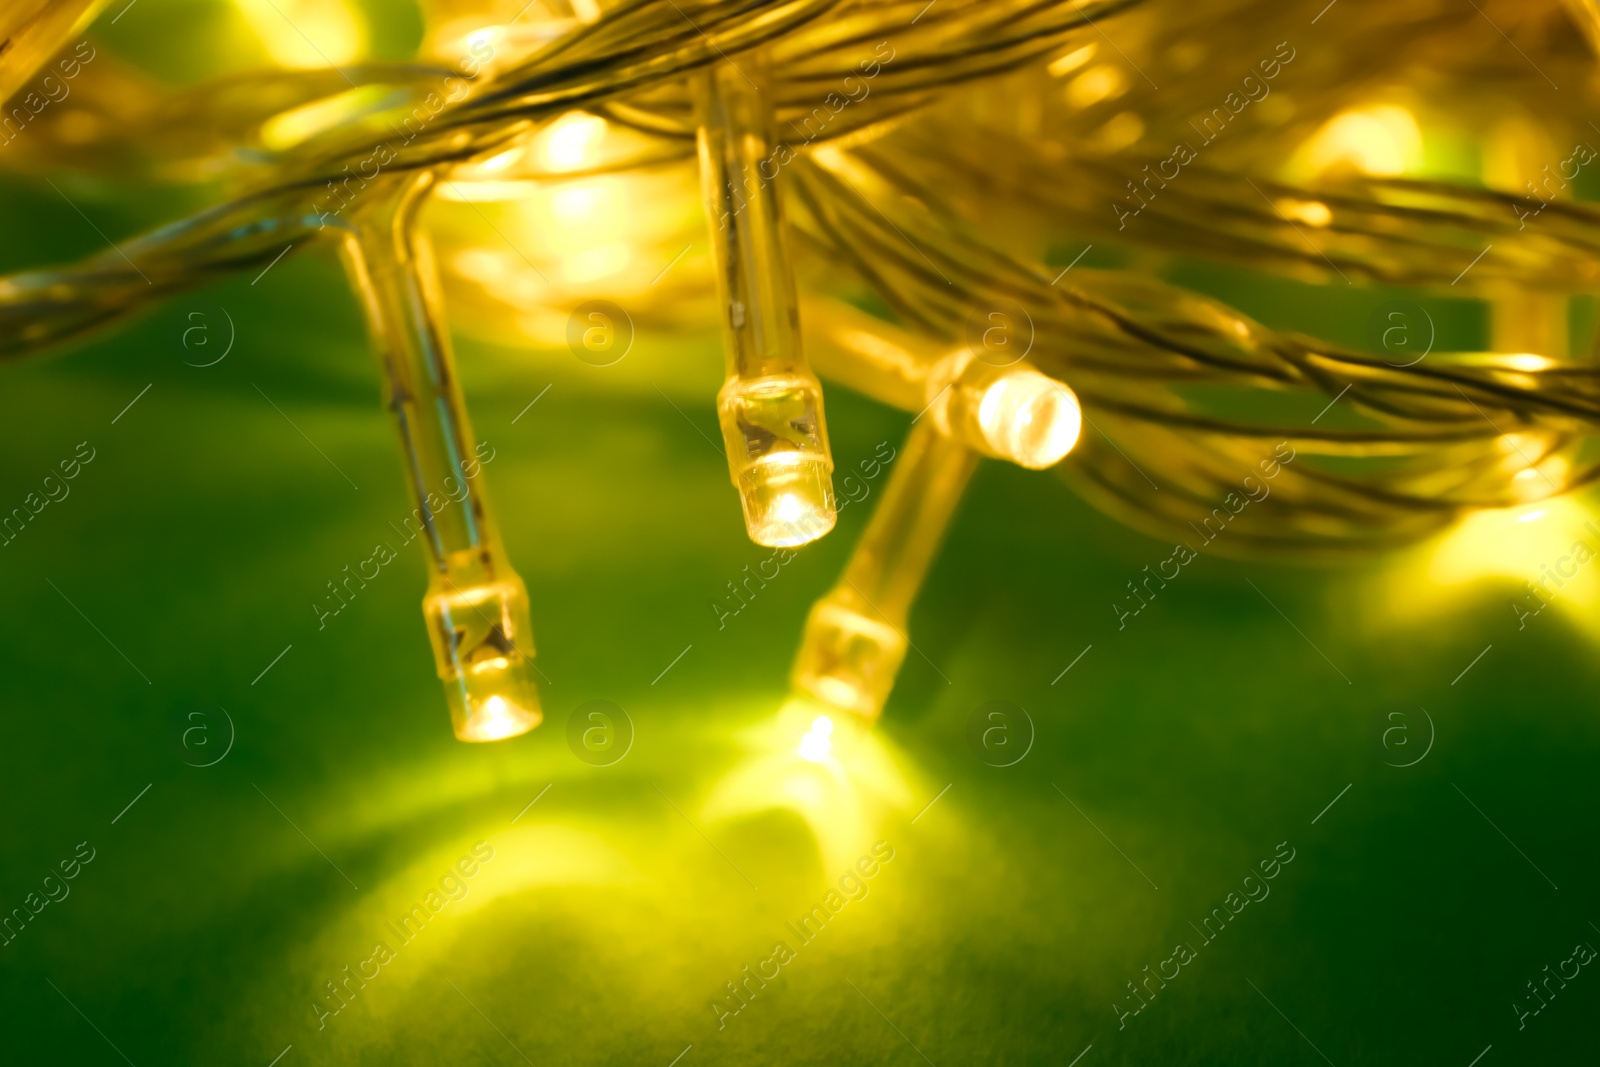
point(855, 639)
point(770, 406)
point(1012, 412)
point(476, 606)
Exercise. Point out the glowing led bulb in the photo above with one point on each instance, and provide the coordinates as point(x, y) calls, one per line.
point(1012, 413)
point(770, 406)
point(855, 638)
point(476, 606)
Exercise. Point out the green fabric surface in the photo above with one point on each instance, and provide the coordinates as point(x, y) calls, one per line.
point(1170, 761)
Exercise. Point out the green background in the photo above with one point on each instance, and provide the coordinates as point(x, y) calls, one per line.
point(1011, 918)
point(1196, 739)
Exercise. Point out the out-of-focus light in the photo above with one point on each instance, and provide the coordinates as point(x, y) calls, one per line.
point(834, 772)
point(1103, 82)
point(1506, 550)
point(1120, 131)
point(1528, 362)
point(1072, 60)
point(572, 142)
point(289, 128)
point(588, 11)
point(593, 264)
point(1310, 212)
point(1382, 140)
point(575, 202)
point(501, 160)
point(306, 34)
point(815, 745)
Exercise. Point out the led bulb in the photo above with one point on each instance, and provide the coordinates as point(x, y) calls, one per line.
point(855, 637)
point(777, 453)
point(482, 648)
point(770, 405)
point(848, 660)
point(1013, 413)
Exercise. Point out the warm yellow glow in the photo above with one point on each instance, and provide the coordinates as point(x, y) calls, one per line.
point(1120, 131)
point(1310, 212)
point(292, 127)
point(787, 499)
point(1072, 60)
point(588, 11)
point(593, 264)
point(1491, 556)
point(1030, 419)
point(1103, 82)
point(1528, 362)
point(843, 782)
point(306, 34)
point(572, 142)
point(496, 719)
point(1382, 140)
point(815, 745)
point(501, 160)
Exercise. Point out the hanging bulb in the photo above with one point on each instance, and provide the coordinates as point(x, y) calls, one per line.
point(770, 406)
point(855, 636)
point(476, 606)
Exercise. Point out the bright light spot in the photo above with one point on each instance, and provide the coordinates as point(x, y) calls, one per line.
point(497, 719)
point(588, 11)
point(1120, 131)
point(574, 202)
point(1103, 82)
point(1381, 141)
point(1072, 60)
point(592, 264)
point(789, 508)
point(1528, 362)
point(289, 128)
point(815, 745)
point(1531, 516)
point(1031, 419)
point(306, 34)
point(501, 161)
point(571, 142)
point(1310, 212)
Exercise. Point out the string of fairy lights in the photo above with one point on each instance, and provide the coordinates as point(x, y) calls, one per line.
point(949, 165)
